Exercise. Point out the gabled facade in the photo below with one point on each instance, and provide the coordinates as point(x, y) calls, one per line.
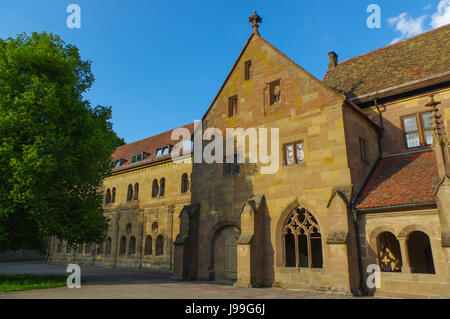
point(357, 184)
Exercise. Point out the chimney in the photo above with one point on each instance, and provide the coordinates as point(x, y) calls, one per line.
point(333, 60)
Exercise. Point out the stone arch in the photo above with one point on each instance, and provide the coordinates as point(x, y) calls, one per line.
point(130, 192)
point(377, 231)
point(420, 252)
point(148, 249)
point(136, 191)
point(282, 218)
point(223, 247)
point(389, 253)
point(410, 228)
point(122, 245)
point(159, 249)
point(132, 246)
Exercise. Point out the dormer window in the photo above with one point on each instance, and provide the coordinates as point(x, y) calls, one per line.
point(162, 151)
point(138, 157)
point(119, 162)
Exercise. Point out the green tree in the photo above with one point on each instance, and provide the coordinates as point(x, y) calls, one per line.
point(55, 149)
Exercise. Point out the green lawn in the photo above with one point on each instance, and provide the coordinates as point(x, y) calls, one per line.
point(29, 282)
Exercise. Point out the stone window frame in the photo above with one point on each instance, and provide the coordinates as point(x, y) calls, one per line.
point(162, 186)
point(275, 99)
point(130, 193)
point(420, 129)
point(402, 236)
point(233, 109)
point(383, 257)
point(292, 218)
point(108, 196)
point(247, 70)
point(136, 191)
point(296, 161)
point(155, 188)
point(148, 246)
point(185, 183)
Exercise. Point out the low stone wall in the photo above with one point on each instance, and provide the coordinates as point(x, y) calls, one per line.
point(20, 255)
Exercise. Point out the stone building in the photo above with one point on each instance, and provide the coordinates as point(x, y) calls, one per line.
point(363, 179)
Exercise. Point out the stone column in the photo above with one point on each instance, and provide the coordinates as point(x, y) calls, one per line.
point(250, 247)
point(404, 254)
point(342, 262)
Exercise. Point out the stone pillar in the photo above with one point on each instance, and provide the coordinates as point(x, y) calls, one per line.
point(250, 244)
point(404, 253)
point(441, 183)
point(185, 245)
point(343, 264)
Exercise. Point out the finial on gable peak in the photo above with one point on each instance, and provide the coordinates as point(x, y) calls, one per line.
point(255, 19)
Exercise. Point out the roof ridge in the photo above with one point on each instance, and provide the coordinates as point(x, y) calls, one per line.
point(153, 136)
point(389, 46)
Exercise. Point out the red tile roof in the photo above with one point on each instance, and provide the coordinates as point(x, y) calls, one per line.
point(399, 180)
point(421, 57)
point(148, 145)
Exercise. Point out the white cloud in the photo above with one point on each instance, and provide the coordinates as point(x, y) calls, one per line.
point(442, 15)
point(408, 26)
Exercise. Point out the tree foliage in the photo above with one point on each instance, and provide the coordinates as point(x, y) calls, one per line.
point(55, 149)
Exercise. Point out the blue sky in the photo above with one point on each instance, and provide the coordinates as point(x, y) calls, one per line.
point(160, 63)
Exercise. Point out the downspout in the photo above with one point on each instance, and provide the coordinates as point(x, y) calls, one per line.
point(380, 132)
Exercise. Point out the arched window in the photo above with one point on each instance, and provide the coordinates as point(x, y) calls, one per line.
point(123, 245)
point(108, 246)
point(159, 245)
point(302, 240)
point(130, 193)
point(184, 183)
point(148, 245)
point(113, 195)
point(155, 188)
point(136, 191)
point(419, 253)
point(108, 196)
point(132, 246)
point(389, 253)
point(162, 186)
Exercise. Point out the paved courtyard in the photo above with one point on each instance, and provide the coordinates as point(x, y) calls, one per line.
point(100, 283)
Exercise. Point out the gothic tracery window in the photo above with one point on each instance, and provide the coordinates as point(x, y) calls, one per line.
point(302, 240)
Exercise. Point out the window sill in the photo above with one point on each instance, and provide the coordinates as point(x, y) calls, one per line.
point(295, 165)
point(300, 269)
